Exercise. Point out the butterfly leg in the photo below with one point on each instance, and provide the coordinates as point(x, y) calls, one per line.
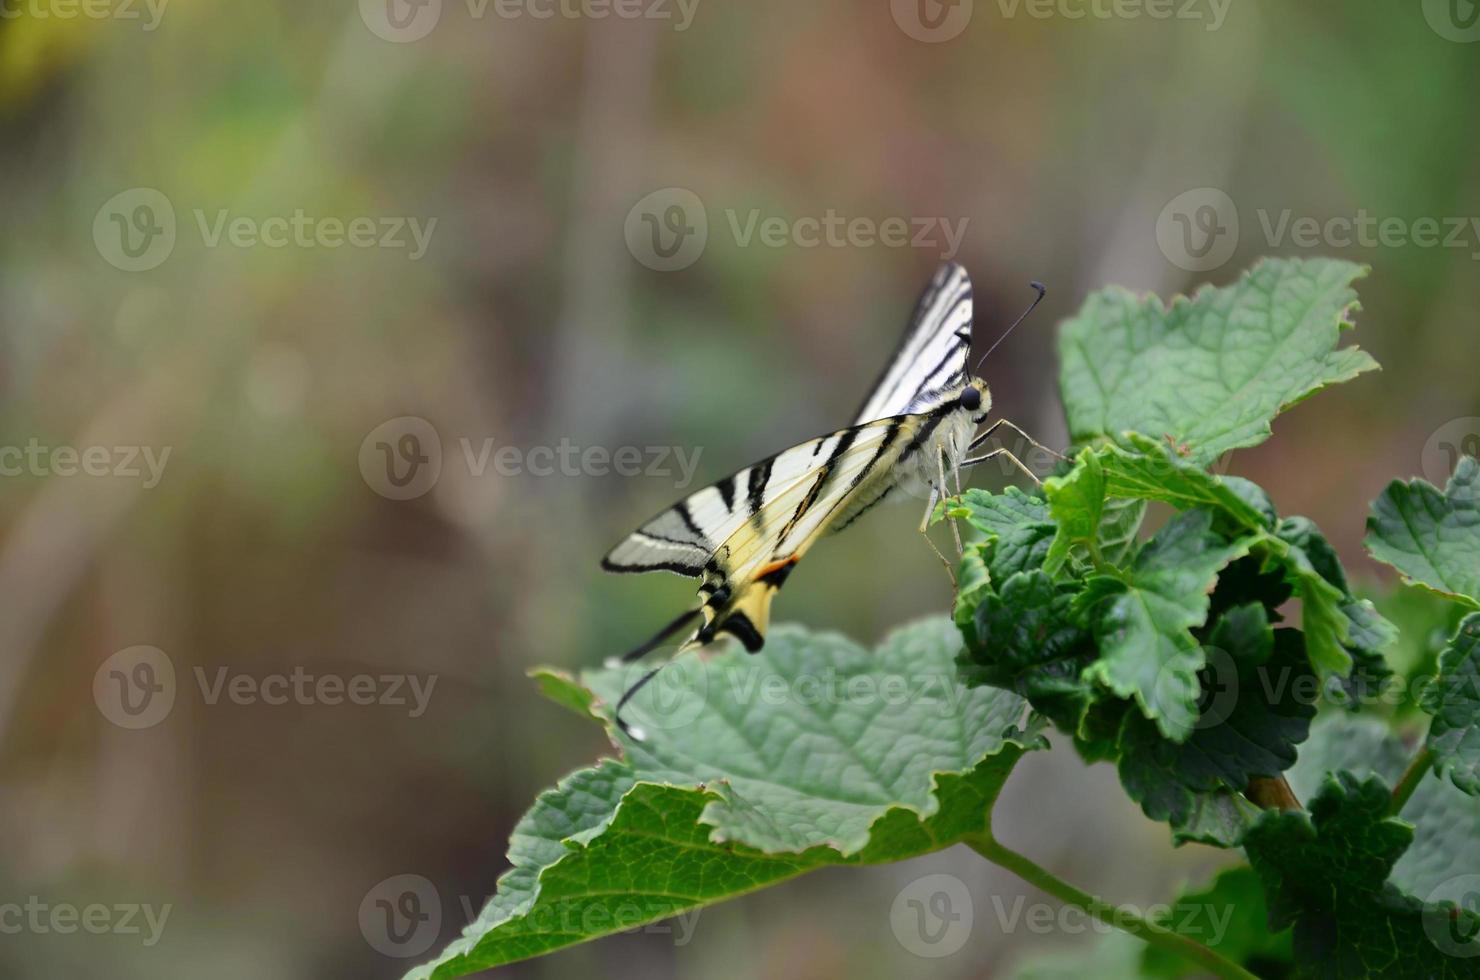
point(940, 469)
point(1003, 452)
point(925, 530)
point(976, 443)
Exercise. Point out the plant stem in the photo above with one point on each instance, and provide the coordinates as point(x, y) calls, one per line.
point(1120, 917)
point(1412, 776)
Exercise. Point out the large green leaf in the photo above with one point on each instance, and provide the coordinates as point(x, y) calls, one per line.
point(1209, 373)
point(1077, 502)
point(1432, 538)
point(1454, 701)
point(1155, 471)
point(1021, 527)
point(1023, 639)
point(1256, 709)
point(1143, 620)
point(1326, 873)
point(1446, 822)
point(754, 769)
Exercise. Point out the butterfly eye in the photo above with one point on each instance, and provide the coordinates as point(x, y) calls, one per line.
point(971, 399)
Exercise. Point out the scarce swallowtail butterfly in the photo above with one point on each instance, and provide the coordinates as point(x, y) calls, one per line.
point(741, 537)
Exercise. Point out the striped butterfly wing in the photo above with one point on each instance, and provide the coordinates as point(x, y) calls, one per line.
point(931, 360)
point(765, 508)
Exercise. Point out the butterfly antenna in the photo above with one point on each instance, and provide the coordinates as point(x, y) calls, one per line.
point(1042, 291)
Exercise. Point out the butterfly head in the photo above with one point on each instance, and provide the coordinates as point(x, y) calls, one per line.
point(975, 399)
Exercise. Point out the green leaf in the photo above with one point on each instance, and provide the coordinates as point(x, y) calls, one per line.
point(1118, 529)
point(1227, 915)
point(1077, 502)
point(1154, 471)
point(1143, 620)
point(814, 736)
point(1424, 622)
point(1218, 819)
point(1020, 525)
point(1326, 873)
point(1446, 822)
point(565, 690)
point(1024, 640)
point(1454, 701)
point(755, 769)
point(1211, 372)
point(1113, 957)
point(1257, 706)
point(973, 583)
point(1311, 567)
point(1432, 538)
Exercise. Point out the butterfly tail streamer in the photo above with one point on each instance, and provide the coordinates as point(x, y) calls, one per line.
point(658, 640)
point(661, 637)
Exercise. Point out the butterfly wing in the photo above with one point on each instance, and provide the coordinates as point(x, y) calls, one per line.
point(744, 534)
point(687, 536)
point(930, 362)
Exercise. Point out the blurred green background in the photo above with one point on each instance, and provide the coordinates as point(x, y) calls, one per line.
point(272, 543)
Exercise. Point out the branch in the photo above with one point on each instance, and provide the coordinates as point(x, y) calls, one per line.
point(1113, 915)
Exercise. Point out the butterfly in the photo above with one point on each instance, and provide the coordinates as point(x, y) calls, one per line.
point(743, 536)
